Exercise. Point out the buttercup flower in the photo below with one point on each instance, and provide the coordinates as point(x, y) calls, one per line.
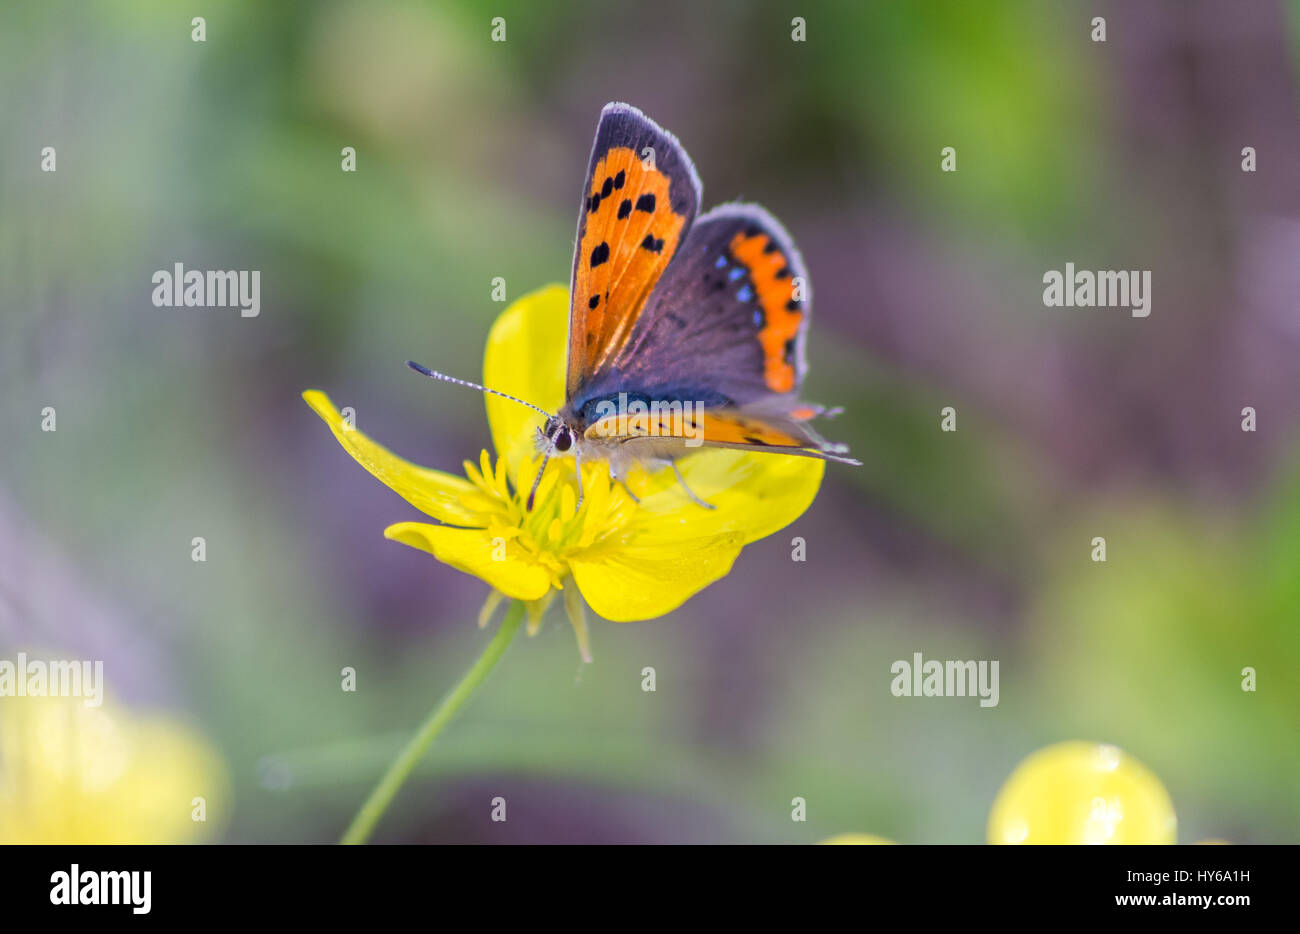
point(1079, 792)
point(629, 561)
point(76, 774)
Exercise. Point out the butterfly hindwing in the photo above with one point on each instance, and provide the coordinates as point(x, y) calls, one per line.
point(725, 329)
point(728, 318)
point(640, 197)
point(672, 436)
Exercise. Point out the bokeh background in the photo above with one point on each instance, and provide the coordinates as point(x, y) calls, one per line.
point(774, 683)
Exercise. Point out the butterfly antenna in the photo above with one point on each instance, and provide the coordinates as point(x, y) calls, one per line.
point(434, 374)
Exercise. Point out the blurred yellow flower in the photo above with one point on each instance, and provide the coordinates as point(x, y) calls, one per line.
point(856, 839)
point(1078, 792)
point(628, 561)
point(76, 774)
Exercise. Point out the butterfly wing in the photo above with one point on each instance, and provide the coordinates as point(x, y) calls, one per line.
point(670, 435)
point(668, 307)
point(725, 327)
point(639, 200)
point(729, 318)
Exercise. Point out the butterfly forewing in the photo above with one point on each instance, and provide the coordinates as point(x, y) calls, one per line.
point(639, 199)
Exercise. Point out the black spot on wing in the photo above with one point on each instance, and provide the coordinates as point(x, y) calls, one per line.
point(646, 203)
point(601, 253)
point(625, 208)
point(651, 244)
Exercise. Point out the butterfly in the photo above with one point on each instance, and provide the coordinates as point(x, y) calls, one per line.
point(686, 330)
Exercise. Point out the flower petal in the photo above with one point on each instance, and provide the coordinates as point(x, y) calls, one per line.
point(654, 573)
point(505, 565)
point(432, 492)
point(753, 494)
point(525, 357)
point(673, 548)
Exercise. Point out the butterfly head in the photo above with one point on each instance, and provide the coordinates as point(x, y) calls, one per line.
point(557, 436)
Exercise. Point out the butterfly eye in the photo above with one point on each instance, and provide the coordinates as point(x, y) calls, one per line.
point(564, 440)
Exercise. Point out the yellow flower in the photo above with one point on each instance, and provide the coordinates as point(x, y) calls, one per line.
point(857, 839)
point(628, 561)
point(1079, 792)
point(76, 774)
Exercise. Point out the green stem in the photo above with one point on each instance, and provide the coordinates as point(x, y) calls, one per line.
point(364, 823)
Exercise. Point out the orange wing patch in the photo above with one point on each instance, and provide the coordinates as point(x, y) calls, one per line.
point(774, 287)
point(663, 421)
point(707, 427)
point(737, 429)
point(630, 235)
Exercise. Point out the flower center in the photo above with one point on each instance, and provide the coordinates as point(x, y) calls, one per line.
point(557, 524)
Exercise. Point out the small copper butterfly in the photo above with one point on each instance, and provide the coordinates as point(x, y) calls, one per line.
point(684, 331)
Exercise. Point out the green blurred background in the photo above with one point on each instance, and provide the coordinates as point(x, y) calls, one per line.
point(774, 683)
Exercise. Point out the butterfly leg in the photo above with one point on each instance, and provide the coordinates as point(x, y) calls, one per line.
point(689, 491)
point(577, 466)
point(613, 475)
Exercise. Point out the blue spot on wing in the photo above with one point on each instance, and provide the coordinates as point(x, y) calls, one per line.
point(746, 293)
point(720, 262)
point(735, 273)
